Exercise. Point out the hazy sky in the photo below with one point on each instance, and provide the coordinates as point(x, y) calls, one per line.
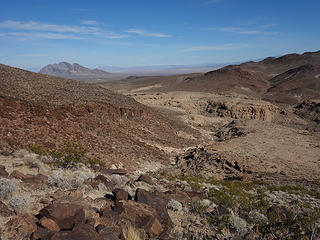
point(151, 32)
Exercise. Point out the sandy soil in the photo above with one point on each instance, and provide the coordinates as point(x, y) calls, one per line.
point(274, 143)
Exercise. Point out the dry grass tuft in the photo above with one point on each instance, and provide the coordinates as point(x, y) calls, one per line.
point(132, 233)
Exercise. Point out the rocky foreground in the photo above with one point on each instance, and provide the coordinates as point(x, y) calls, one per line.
point(40, 199)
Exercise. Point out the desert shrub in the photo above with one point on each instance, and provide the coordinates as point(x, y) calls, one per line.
point(19, 202)
point(7, 187)
point(68, 154)
point(38, 149)
point(238, 224)
point(130, 233)
point(174, 205)
point(81, 176)
point(61, 180)
point(118, 180)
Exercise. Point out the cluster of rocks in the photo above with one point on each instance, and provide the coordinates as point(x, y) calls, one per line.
point(44, 203)
point(308, 110)
point(229, 131)
point(211, 163)
point(108, 204)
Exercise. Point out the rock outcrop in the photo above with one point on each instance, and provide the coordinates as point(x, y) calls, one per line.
point(263, 111)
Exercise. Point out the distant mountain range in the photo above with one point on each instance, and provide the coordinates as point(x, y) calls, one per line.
point(285, 79)
point(163, 70)
point(74, 71)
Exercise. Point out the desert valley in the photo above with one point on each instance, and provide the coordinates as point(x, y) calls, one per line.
point(233, 153)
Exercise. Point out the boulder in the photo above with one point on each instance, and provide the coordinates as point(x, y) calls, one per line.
point(3, 172)
point(102, 179)
point(79, 232)
point(73, 235)
point(29, 178)
point(39, 178)
point(139, 215)
point(49, 224)
point(17, 174)
point(120, 194)
point(94, 182)
point(41, 233)
point(105, 232)
point(5, 211)
point(156, 202)
point(22, 225)
point(146, 179)
point(66, 215)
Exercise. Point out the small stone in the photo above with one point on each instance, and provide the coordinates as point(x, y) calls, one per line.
point(3, 172)
point(146, 179)
point(5, 211)
point(49, 224)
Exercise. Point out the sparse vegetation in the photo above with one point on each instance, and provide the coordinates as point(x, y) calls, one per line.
point(19, 202)
point(70, 153)
point(131, 234)
point(238, 224)
point(60, 179)
point(7, 187)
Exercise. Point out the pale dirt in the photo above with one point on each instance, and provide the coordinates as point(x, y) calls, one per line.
point(273, 145)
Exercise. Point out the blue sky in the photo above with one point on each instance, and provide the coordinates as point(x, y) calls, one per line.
point(152, 32)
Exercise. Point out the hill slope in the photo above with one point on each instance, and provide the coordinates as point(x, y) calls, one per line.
point(295, 84)
point(272, 66)
point(286, 79)
point(39, 109)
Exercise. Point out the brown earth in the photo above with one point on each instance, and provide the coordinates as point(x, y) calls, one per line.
point(43, 110)
point(222, 163)
point(295, 85)
point(287, 79)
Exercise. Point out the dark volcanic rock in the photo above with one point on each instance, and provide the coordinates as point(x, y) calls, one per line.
point(140, 216)
point(3, 172)
point(22, 225)
point(228, 131)
point(66, 215)
point(106, 232)
point(146, 179)
point(5, 211)
point(154, 201)
point(41, 233)
point(120, 194)
point(209, 162)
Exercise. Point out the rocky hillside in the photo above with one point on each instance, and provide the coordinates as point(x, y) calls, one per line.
point(74, 71)
point(47, 111)
point(225, 80)
point(272, 66)
point(296, 84)
point(39, 201)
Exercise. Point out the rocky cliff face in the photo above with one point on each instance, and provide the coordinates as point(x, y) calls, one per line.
point(264, 111)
